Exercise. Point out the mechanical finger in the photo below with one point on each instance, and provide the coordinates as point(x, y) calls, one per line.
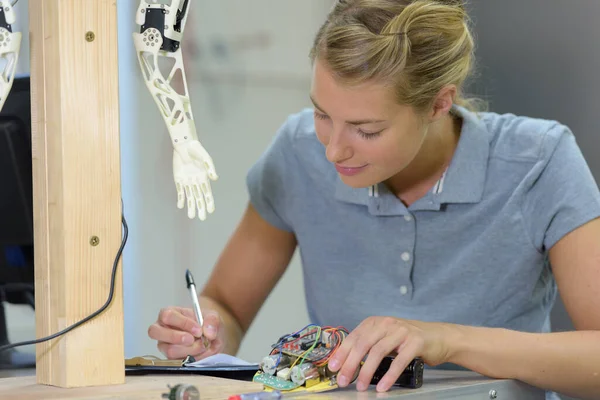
point(208, 197)
point(191, 201)
point(200, 202)
point(180, 195)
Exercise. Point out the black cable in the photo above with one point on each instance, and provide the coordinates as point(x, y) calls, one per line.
point(89, 317)
point(184, 8)
point(180, 16)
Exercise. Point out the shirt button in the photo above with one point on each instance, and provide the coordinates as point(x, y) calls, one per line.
point(403, 290)
point(407, 218)
point(405, 256)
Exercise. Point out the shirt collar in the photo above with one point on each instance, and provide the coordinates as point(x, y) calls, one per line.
point(463, 182)
point(352, 195)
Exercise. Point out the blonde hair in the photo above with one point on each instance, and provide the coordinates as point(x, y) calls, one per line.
point(415, 46)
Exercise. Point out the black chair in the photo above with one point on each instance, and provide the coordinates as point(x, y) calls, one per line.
point(16, 213)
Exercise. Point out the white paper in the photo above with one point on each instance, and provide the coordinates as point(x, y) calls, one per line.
point(221, 360)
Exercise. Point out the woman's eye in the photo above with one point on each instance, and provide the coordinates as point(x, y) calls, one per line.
point(369, 135)
point(320, 116)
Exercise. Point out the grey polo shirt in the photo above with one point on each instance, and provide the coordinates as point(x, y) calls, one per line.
point(472, 251)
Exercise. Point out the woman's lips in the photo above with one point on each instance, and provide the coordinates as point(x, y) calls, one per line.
point(349, 171)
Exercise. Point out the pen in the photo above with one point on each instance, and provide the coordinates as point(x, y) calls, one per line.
point(192, 288)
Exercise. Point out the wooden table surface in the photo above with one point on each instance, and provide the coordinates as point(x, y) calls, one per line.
point(149, 387)
point(438, 385)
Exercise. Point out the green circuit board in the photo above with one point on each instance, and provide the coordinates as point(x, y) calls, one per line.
point(274, 382)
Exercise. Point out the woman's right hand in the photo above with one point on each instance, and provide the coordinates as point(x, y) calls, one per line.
point(179, 334)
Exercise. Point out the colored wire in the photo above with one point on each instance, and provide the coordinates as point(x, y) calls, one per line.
point(290, 338)
point(336, 336)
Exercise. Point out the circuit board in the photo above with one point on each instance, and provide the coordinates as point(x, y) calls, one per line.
point(299, 362)
point(274, 382)
point(313, 355)
point(311, 344)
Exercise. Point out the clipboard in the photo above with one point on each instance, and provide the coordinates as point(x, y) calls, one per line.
point(151, 365)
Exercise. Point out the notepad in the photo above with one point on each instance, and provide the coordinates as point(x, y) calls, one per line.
point(219, 365)
point(221, 360)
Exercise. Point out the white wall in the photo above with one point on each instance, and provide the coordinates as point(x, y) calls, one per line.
point(249, 72)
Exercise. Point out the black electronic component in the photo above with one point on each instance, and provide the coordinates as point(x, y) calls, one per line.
point(155, 18)
point(3, 23)
point(411, 377)
point(306, 345)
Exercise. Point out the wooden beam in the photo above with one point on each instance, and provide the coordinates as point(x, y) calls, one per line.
point(76, 184)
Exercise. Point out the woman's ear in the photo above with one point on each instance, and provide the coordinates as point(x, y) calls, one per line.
point(443, 102)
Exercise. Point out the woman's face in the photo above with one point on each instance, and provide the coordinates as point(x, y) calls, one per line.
point(367, 135)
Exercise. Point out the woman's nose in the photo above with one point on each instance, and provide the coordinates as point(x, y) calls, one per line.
point(338, 149)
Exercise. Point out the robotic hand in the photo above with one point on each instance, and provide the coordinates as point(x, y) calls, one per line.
point(159, 40)
point(192, 168)
point(10, 44)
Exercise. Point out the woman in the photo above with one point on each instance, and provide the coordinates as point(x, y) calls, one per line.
point(427, 228)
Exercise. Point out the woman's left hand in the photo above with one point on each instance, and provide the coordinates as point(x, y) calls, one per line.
point(378, 337)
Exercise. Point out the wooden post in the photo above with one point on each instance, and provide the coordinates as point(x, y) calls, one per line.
point(77, 194)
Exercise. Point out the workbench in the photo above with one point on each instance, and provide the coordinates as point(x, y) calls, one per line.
point(438, 385)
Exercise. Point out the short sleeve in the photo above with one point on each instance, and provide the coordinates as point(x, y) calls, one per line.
point(268, 178)
point(563, 194)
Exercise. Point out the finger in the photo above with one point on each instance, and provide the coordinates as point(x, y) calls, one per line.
point(180, 196)
point(401, 361)
point(190, 200)
point(170, 317)
point(210, 168)
point(376, 354)
point(187, 312)
point(169, 335)
point(200, 202)
point(196, 189)
point(200, 154)
point(367, 338)
point(350, 368)
point(210, 203)
point(212, 324)
point(172, 351)
point(340, 355)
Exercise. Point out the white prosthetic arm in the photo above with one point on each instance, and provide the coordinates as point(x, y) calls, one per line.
point(162, 23)
point(10, 45)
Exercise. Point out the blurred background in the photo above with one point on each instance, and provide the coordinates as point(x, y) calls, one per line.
point(247, 67)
